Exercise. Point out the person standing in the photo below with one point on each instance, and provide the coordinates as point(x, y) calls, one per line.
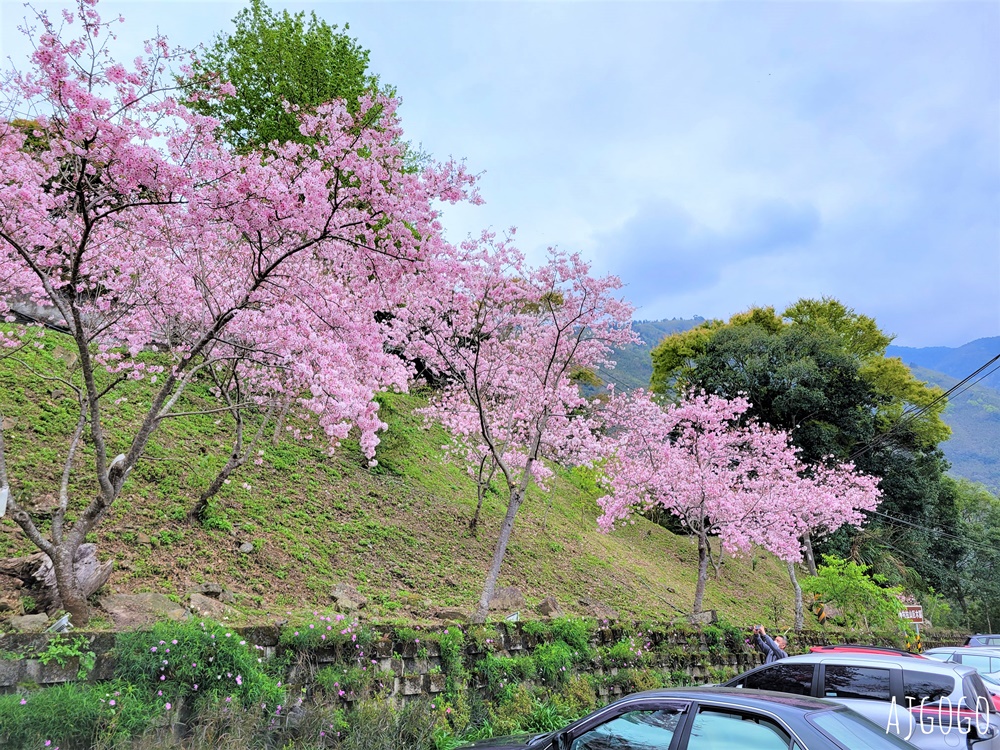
point(772, 648)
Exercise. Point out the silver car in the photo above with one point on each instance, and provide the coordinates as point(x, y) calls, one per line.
point(933, 705)
point(985, 659)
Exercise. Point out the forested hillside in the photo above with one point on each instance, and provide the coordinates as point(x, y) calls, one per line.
point(633, 364)
point(974, 417)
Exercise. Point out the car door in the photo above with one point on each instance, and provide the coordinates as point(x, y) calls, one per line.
point(723, 728)
point(636, 726)
point(874, 691)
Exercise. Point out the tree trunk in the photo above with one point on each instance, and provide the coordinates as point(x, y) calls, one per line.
point(699, 591)
point(280, 421)
point(201, 507)
point(38, 572)
point(799, 617)
point(482, 610)
point(482, 484)
point(809, 557)
point(74, 601)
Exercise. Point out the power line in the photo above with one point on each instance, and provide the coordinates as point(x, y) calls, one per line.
point(937, 532)
point(908, 417)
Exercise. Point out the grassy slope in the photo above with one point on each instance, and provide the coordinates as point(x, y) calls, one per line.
point(398, 533)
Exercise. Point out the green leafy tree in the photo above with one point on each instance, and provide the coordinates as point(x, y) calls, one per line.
point(864, 601)
point(271, 59)
point(977, 571)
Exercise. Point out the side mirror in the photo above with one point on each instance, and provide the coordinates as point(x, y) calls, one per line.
point(977, 734)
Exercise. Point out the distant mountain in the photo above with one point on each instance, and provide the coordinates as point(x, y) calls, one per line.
point(973, 411)
point(974, 417)
point(634, 366)
point(958, 362)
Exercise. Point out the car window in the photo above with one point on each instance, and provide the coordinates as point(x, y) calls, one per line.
point(784, 678)
point(926, 687)
point(981, 662)
point(856, 682)
point(636, 730)
point(714, 729)
point(992, 641)
point(855, 732)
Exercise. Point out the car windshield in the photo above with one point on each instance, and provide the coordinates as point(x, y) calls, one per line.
point(849, 729)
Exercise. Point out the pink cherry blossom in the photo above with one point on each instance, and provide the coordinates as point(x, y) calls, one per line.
point(128, 224)
point(508, 341)
point(724, 476)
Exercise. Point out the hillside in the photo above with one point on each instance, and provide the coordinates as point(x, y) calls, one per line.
point(974, 417)
point(956, 362)
point(973, 413)
point(398, 533)
point(633, 367)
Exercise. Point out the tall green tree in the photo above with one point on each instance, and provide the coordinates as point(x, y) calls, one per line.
point(977, 571)
point(273, 58)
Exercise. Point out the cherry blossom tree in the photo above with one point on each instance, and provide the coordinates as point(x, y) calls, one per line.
point(165, 256)
point(509, 341)
point(839, 496)
point(722, 475)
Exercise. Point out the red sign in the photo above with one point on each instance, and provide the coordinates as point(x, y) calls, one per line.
point(913, 613)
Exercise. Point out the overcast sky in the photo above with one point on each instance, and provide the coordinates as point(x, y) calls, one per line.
point(714, 155)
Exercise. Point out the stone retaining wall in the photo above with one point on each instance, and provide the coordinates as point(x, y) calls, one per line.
point(684, 651)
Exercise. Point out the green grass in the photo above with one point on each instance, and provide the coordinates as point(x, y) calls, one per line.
point(398, 532)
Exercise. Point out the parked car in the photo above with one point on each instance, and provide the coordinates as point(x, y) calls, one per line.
point(985, 660)
point(989, 640)
point(709, 719)
point(857, 648)
point(928, 703)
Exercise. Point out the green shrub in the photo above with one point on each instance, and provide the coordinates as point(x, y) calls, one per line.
point(553, 662)
point(62, 648)
point(575, 633)
point(377, 725)
point(326, 631)
point(629, 652)
point(577, 696)
point(66, 715)
point(200, 661)
point(351, 682)
point(865, 602)
point(537, 628)
point(497, 672)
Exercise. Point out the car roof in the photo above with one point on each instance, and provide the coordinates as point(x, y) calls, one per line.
point(987, 650)
point(853, 648)
point(842, 658)
point(739, 697)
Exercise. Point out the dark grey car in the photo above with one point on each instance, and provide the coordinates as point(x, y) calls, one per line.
point(712, 719)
